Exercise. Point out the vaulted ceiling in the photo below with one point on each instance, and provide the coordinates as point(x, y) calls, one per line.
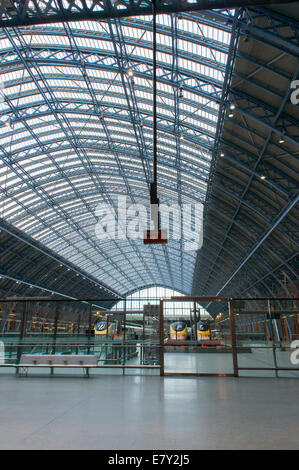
point(76, 131)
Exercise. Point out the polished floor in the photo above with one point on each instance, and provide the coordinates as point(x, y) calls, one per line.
point(222, 362)
point(148, 412)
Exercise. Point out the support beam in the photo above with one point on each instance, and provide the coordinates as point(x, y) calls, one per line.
point(279, 219)
point(24, 13)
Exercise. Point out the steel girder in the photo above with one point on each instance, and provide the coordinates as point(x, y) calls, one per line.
point(63, 120)
point(238, 242)
point(252, 272)
point(224, 98)
point(83, 150)
point(45, 311)
point(17, 238)
point(268, 168)
point(264, 26)
point(29, 66)
point(236, 251)
point(98, 109)
point(21, 13)
point(275, 223)
point(281, 34)
point(255, 172)
point(224, 186)
point(28, 269)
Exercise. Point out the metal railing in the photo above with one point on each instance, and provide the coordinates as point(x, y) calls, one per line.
point(268, 327)
point(122, 356)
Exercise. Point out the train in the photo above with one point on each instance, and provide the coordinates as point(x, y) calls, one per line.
point(104, 328)
point(178, 330)
point(203, 330)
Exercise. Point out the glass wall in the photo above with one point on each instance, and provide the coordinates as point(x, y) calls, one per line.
point(152, 295)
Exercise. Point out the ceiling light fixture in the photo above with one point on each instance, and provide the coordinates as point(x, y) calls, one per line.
point(281, 138)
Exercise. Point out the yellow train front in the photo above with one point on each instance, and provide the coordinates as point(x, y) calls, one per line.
point(178, 330)
point(104, 328)
point(203, 330)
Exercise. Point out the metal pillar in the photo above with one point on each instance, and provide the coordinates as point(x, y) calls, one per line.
point(233, 337)
point(272, 335)
point(194, 320)
point(161, 318)
point(22, 333)
point(143, 339)
point(124, 335)
point(55, 331)
point(4, 319)
point(191, 321)
point(89, 328)
point(79, 325)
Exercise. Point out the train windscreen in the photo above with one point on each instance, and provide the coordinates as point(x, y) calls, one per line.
point(203, 326)
point(101, 326)
point(178, 326)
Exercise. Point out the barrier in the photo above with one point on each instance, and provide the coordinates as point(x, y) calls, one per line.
point(2, 353)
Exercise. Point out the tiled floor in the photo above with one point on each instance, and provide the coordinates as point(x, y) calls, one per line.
point(148, 412)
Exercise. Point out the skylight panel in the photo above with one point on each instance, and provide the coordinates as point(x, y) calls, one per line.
point(107, 157)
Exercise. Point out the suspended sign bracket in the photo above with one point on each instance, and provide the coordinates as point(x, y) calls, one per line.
point(155, 235)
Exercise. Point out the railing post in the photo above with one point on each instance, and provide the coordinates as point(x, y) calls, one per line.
point(233, 337)
point(195, 322)
point(273, 339)
point(4, 319)
point(124, 336)
point(78, 332)
point(161, 339)
point(89, 328)
point(55, 329)
point(22, 331)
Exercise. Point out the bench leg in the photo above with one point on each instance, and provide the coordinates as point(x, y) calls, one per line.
point(87, 371)
point(23, 369)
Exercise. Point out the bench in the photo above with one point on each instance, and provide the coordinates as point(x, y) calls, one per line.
point(56, 361)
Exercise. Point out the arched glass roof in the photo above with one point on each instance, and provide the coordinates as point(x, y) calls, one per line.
point(76, 131)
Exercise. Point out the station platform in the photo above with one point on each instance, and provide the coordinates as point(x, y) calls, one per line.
point(140, 412)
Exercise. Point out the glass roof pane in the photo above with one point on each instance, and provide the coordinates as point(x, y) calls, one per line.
point(76, 131)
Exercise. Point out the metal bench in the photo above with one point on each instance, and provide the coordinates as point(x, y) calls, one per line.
point(56, 361)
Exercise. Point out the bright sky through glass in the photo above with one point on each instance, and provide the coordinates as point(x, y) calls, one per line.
point(76, 130)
